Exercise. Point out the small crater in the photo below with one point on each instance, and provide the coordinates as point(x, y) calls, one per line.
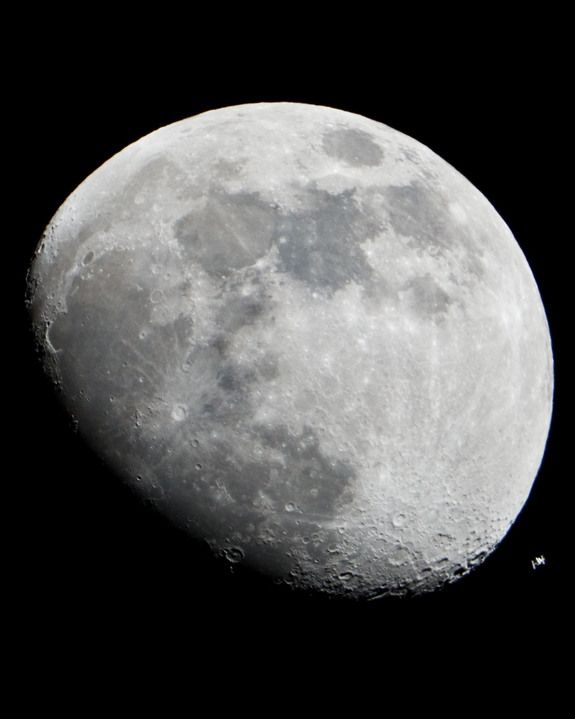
point(346, 576)
point(179, 413)
point(156, 296)
point(234, 554)
point(399, 520)
point(88, 258)
point(401, 556)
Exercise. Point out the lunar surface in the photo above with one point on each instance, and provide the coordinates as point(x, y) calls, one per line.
point(307, 339)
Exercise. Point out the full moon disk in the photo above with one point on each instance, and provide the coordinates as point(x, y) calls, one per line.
point(307, 339)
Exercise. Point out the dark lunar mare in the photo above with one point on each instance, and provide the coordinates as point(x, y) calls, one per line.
point(317, 244)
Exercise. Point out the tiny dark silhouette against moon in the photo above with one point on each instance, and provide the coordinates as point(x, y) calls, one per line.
point(307, 339)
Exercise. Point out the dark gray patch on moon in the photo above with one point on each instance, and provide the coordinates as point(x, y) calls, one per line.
point(420, 213)
point(202, 358)
point(246, 303)
point(414, 212)
point(320, 245)
point(307, 481)
point(212, 364)
point(352, 146)
point(227, 170)
point(221, 385)
point(234, 378)
point(225, 384)
point(231, 231)
point(428, 299)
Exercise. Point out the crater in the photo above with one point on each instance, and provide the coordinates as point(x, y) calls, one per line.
point(352, 146)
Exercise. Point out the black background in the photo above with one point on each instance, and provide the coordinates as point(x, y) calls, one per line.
point(94, 561)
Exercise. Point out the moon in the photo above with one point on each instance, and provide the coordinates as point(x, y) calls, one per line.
point(307, 339)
